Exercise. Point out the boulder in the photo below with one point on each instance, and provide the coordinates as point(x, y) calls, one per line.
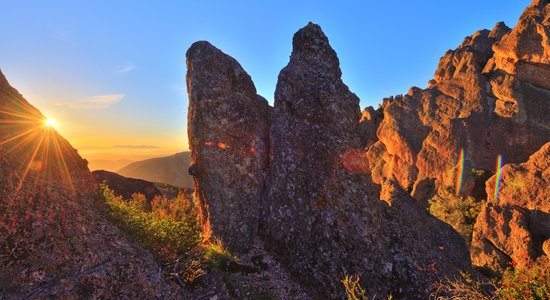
point(228, 130)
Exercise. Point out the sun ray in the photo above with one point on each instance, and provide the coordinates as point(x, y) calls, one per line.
point(27, 140)
point(29, 164)
point(18, 136)
point(60, 155)
point(30, 116)
point(17, 122)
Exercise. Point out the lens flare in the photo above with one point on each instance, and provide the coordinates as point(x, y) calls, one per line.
point(460, 171)
point(222, 145)
point(497, 180)
point(354, 160)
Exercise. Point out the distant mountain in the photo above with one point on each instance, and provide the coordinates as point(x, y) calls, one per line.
point(169, 169)
point(109, 165)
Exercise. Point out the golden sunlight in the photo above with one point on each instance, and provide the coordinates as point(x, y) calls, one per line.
point(49, 122)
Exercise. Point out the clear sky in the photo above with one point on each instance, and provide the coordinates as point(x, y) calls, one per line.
point(112, 73)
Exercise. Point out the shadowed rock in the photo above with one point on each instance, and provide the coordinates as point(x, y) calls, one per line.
point(369, 123)
point(228, 126)
point(320, 213)
point(324, 219)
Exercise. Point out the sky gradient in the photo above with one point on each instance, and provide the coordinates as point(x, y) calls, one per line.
point(112, 73)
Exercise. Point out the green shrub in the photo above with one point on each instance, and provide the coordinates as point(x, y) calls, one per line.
point(459, 212)
point(178, 209)
point(529, 283)
point(165, 235)
point(524, 283)
point(217, 254)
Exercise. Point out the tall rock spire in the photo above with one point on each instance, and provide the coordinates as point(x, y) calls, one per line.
point(321, 214)
point(228, 137)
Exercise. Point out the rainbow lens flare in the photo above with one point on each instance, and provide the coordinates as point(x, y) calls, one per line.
point(497, 180)
point(460, 172)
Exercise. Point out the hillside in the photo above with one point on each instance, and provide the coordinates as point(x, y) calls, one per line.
point(170, 169)
point(125, 187)
point(54, 242)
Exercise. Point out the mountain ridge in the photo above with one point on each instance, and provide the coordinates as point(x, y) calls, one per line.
point(170, 169)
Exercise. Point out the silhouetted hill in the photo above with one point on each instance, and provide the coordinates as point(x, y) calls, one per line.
point(170, 169)
point(124, 186)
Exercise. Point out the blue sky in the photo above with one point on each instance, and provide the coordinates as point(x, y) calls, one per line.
point(113, 72)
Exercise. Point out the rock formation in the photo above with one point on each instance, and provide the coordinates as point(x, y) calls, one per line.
point(490, 96)
point(320, 213)
point(53, 241)
point(228, 129)
point(369, 123)
point(515, 225)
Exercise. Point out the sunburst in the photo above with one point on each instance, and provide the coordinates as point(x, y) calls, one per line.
point(31, 138)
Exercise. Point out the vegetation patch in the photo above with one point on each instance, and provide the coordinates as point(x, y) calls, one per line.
point(459, 212)
point(169, 229)
point(529, 283)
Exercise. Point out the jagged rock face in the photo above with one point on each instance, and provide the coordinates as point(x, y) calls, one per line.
point(323, 217)
point(525, 52)
point(516, 225)
point(228, 129)
point(320, 213)
point(369, 123)
point(312, 203)
point(489, 96)
point(53, 241)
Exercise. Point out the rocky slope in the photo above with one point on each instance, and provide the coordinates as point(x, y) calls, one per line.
point(169, 169)
point(490, 96)
point(53, 242)
point(514, 227)
point(297, 185)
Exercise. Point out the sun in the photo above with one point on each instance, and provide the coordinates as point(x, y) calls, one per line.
point(49, 122)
